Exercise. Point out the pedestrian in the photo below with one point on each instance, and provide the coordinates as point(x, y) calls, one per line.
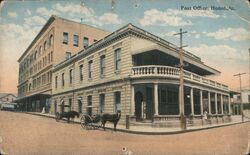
point(205, 115)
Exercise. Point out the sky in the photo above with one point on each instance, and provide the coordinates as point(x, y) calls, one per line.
point(220, 37)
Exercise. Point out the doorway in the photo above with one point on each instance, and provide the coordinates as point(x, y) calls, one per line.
point(138, 106)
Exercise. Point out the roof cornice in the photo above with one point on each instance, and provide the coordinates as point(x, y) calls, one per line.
point(44, 28)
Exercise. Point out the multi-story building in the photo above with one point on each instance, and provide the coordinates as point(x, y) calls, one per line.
point(135, 71)
point(57, 40)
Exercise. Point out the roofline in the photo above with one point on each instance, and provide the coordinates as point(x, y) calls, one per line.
point(48, 23)
point(124, 29)
point(7, 95)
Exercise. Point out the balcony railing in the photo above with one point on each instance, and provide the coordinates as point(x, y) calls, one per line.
point(167, 71)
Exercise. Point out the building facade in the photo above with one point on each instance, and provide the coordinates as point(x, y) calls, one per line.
point(7, 98)
point(58, 40)
point(134, 71)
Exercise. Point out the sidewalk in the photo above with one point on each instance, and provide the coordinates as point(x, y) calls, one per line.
point(148, 130)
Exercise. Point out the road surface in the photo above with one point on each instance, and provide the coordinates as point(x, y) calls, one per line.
point(25, 134)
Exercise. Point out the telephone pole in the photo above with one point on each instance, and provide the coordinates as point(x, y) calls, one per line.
point(241, 106)
point(181, 88)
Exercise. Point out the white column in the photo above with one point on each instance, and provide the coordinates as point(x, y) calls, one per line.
point(209, 103)
point(132, 100)
point(229, 105)
point(156, 98)
point(222, 106)
point(215, 100)
point(201, 101)
point(192, 100)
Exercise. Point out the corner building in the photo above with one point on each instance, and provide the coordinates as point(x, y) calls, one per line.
point(135, 71)
point(58, 40)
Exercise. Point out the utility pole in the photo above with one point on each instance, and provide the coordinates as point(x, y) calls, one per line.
point(181, 88)
point(241, 106)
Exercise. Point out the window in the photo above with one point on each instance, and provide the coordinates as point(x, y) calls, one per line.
point(65, 37)
point(90, 69)
point(35, 55)
point(56, 81)
point(118, 59)
point(51, 56)
point(45, 45)
point(67, 55)
point(95, 40)
point(102, 65)
point(117, 101)
point(76, 40)
point(102, 102)
point(85, 42)
point(70, 103)
point(81, 72)
point(62, 79)
point(71, 76)
point(40, 50)
point(89, 109)
point(50, 40)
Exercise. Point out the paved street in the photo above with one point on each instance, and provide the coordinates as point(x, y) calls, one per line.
point(25, 134)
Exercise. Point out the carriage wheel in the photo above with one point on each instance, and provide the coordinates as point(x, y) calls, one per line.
point(57, 116)
point(85, 122)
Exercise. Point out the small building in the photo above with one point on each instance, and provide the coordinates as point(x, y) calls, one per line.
point(134, 71)
point(7, 101)
point(7, 97)
point(236, 101)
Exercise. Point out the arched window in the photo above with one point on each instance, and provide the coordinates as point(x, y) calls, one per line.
point(40, 50)
point(35, 55)
point(45, 45)
point(30, 87)
point(51, 40)
point(71, 76)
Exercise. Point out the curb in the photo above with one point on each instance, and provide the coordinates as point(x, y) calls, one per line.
point(151, 133)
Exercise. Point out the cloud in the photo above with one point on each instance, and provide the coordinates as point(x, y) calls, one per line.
point(225, 58)
point(110, 18)
point(45, 12)
point(157, 17)
point(235, 34)
point(28, 12)
point(76, 12)
point(174, 17)
point(12, 14)
point(34, 21)
point(19, 37)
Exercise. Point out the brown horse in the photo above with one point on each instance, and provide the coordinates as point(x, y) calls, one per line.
point(114, 118)
point(68, 115)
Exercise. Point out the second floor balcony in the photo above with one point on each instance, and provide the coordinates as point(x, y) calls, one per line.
point(173, 72)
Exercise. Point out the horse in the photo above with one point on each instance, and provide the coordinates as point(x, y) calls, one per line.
point(68, 115)
point(114, 118)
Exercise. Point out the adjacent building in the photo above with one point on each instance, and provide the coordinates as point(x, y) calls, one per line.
point(58, 40)
point(136, 72)
point(7, 101)
point(7, 98)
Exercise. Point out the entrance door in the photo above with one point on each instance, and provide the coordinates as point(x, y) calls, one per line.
point(149, 103)
point(138, 106)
